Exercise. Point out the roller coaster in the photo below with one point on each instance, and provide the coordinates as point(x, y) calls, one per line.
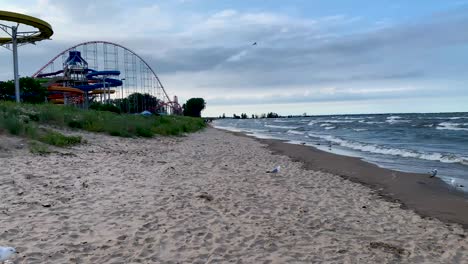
point(103, 71)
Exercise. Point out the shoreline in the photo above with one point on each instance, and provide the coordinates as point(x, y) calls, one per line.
point(428, 197)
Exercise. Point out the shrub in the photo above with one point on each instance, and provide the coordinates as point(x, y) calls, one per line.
point(38, 148)
point(23, 120)
point(58, 139)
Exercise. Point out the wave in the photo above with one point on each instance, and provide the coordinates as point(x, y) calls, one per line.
point(263, 136)
point(354, 118)
point(295, 132)
point(228, 128)
point(396, 119)
point(373, 148)
point(335, 121)
point(329, 127)
point(281, 127)
point(452, 126)
point(360, 129)
point(371, 122)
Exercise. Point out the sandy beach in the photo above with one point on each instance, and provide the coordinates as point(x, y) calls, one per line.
point(202, 198)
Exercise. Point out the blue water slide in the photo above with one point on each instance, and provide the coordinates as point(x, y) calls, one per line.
point(101, 83)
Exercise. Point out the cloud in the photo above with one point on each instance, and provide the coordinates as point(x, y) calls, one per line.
point(211, 54)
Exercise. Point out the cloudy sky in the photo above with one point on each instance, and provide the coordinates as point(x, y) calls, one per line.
point(313, 56)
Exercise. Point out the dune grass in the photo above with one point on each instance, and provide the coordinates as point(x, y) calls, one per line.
point(23, 120)
point(38, 148)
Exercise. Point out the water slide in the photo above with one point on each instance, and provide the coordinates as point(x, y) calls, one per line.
point(98, 83)
point(60, 94)
point(45, 30)
point(49, 74)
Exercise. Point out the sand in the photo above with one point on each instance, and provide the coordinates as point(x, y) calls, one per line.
point(429, 197)
point(204, 198)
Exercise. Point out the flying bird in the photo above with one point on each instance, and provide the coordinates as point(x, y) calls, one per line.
point(6, 253)
point(275, 170)
point(254, 44)
point(433, 173)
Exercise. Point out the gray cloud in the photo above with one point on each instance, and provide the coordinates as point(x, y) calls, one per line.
point(212, 53)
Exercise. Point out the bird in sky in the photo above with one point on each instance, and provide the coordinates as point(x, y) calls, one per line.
point(254, 44)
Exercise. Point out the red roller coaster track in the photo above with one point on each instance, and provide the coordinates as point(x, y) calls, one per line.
point(173, 104)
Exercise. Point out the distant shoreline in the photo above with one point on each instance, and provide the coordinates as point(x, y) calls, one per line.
point(429, 197)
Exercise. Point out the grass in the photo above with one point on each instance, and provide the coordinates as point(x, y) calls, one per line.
point(39, 148)
point(24, 119)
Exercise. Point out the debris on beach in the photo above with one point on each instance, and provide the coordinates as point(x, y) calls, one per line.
point(275, 170)
point(387, 248)
point(206, 196)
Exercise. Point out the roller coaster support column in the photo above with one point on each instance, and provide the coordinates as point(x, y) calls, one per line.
point(14, 43)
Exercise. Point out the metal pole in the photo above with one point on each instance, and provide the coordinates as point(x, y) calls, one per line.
point(14, 38)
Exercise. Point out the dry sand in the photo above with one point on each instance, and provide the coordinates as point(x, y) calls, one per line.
point(204, 198)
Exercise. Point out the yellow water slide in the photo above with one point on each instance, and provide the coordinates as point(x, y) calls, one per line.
point(45, 30)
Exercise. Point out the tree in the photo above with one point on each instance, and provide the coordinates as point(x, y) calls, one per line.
point(194, 106)
point(224, 115)
point(138, 102)
point(244, 116)
point(30, 89)
point(272, 115)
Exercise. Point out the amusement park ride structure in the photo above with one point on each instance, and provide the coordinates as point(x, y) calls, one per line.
point(87, 71)
point(44, 31)
point(88, 66)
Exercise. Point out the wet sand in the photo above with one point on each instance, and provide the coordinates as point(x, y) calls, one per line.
point(203, 198)
point(429, 197)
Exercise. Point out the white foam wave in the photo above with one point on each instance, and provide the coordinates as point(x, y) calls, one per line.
point(372, 148)
point(396, 119)
point(359, 129)
point(330, 127)
point(295, 132)
point(452, 126)
point(262, 136)
point(311, 123)
point(281, 127)
point(354, 118)
point(336, 121)
point(371, 122)
point(228, 128)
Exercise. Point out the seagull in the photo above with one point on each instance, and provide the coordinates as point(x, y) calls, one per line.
point(6, 253)
point(433, 173)
point(275, 170)
point(254, 44)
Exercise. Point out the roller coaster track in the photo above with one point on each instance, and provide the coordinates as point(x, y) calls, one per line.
point(116, 45)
